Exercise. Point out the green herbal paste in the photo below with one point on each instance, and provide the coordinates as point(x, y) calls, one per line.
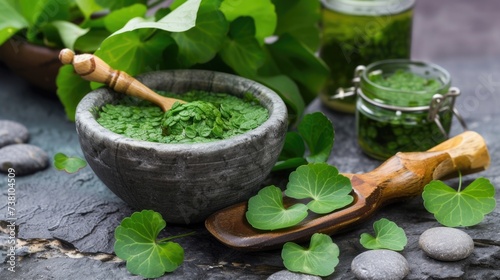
point(205, 117)
point(383, 133)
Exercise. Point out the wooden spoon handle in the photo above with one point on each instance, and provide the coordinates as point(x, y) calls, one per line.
point(406, 174)
point(94, 69)
point(468, 153)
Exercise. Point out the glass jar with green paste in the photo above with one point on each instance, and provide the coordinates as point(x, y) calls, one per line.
point(359, 32)
point(403, 106)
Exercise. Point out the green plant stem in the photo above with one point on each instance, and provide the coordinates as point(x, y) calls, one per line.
point(459, 181)
point(174, 237)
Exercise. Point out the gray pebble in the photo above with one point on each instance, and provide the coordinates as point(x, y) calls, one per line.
point(446, 244)
point(380, 264)
point(288, 275)
point(24, 158)
point(12, 133)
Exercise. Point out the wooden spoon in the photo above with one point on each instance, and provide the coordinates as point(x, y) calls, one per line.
point(401, 176)
point(92, 68)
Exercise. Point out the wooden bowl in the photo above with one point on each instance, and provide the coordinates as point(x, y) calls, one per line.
point(184, 182)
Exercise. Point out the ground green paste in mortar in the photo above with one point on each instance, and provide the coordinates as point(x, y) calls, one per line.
point(205, 117)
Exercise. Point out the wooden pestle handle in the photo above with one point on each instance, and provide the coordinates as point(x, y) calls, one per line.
point(92, 68)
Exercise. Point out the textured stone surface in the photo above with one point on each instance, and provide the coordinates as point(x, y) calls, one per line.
point(446, 244)
point(79, 210)
point(380, 265)
point(12, 133)
point(288, 275)
point(184, 182)
point(24, 158)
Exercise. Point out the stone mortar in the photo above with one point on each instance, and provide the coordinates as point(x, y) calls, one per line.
point(184, 182)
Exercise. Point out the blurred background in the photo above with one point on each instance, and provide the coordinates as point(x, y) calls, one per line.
point(456, 28)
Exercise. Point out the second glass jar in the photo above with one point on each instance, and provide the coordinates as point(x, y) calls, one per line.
point(412, 111)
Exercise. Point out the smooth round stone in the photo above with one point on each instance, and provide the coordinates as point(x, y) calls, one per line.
point(380, 265)
point(288, 275)
point(24, 158)
point(12, 133)
point(446, 244)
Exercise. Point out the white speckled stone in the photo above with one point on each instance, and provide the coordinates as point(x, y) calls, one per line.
point(24, 158)
point(380, 265)
point(288, 275)
point(446, 244)
point(12, 133)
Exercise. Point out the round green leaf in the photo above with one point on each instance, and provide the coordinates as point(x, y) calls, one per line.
point(69, 164)
point(262, 11)
point(387, 236)
point(465, 207)
point(200, 43)
point(136, 243)
point(317, 131)
point(320, 258)
point(322, 182)
point(267, 212)
point(71, 88)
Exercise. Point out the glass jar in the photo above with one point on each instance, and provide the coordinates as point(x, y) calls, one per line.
point(403, 106)
point(359, 32)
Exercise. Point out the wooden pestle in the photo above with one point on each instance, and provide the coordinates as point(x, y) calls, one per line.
point(402, 176)
point(92, 68)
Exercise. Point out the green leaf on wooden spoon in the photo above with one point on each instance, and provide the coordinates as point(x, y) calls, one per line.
point(322, 182)
point(267, 212)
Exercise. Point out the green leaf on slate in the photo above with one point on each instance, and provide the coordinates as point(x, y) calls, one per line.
point(68, 164)
point(267, 212)
point(136, 243)
point(317, 131)
point(387, 236)
point(320, 258)
point(322, 182)
point(465, 207)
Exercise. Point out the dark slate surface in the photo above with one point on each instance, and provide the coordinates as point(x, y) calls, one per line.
point(77, 212)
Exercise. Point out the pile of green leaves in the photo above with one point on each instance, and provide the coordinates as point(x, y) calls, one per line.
point(222, 35)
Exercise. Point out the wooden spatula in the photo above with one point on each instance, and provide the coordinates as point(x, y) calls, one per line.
point(92, 68)
point(401, 176)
